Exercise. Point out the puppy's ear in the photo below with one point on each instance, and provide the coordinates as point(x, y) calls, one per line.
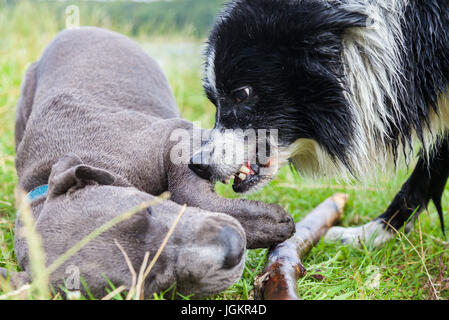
point(70, 172)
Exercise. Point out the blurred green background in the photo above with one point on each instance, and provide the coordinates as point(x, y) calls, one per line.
point(173, 32)
point(151, 17)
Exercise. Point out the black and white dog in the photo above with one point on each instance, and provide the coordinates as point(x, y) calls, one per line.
point(352, 86)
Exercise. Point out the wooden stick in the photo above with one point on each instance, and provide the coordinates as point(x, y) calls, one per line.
point(284, 267)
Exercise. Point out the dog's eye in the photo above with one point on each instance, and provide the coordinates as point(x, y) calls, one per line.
point(241, 94)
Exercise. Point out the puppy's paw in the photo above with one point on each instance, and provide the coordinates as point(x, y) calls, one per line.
point(269, 228)
point(372, 233)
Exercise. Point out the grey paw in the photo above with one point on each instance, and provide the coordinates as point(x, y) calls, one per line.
point(270, 229)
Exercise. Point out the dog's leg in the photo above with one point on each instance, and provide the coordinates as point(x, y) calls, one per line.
point(426, 183)
point(265, 224)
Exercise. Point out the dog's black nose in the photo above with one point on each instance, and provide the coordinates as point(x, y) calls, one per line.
point(234, 247)
point(196, 165)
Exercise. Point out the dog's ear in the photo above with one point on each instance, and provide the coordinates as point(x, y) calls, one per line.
point(332, 19)
point(339, 18)
point(70, 172)
point(320, 27)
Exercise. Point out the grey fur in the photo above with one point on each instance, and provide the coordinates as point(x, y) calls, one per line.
point(94, 121)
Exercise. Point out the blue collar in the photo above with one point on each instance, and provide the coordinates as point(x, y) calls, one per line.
point(38, 192)
point(33, 195)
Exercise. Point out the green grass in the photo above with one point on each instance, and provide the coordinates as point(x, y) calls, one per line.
point(348, 273)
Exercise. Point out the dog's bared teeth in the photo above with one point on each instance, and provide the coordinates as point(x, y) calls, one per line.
point(242, 176)
point(245, 170)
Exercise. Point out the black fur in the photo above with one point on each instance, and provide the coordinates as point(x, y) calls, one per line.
point(290, 53)
point(291, 56)
point(426, 183)
point(426, 63)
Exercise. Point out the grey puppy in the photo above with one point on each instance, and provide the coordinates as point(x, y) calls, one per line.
point(94, 122)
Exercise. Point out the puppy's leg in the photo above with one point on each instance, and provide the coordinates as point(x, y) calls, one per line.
point(426, 183)
point(265, 224)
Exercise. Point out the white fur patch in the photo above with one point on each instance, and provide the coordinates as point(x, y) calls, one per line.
point(310, 159)
point(372, 62)
point(372, 233)
point(439, 123)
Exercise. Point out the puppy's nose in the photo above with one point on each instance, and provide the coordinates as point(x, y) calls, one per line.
point(196, 165)
point(234, 247)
